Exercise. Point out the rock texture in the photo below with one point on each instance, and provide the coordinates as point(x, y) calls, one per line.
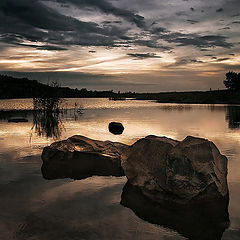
point(79, 157)
point(115, 128)
point(163, 169)
point(184, 172)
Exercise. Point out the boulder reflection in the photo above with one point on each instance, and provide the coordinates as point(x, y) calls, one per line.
point(205, 221)
point(198, 222)
point(90, 165)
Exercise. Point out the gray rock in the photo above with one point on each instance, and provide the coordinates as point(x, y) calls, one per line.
point(183, 172)
point(79, 157)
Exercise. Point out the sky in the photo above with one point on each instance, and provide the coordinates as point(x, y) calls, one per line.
point(126, 45)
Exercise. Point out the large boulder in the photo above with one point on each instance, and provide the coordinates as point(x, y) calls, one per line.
point(183, 172)
point(79, 157)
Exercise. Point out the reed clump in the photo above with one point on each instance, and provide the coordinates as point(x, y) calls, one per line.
point(46, 117)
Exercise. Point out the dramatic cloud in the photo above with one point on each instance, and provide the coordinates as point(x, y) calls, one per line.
point(192, 21)
point(33, 21)
point(108, 8)
point(143, 55)
point(184, 61)
point(105, 37)
point(196, 40)
point(222, 59)
point(219, 10)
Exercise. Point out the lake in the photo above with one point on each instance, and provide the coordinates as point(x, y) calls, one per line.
point(35, 208)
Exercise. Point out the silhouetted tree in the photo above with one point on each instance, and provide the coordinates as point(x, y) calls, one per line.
point(11, 87)
point(232, 81)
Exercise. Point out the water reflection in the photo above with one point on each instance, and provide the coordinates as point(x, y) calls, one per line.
point(24, 191)
point(6, 115)
point(233, 117)
point(47, 124)
point(80, 166)
point(202, 222)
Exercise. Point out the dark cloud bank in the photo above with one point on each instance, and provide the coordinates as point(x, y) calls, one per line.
point(34, 21)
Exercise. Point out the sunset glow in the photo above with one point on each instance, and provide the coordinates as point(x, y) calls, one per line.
point(121, 41)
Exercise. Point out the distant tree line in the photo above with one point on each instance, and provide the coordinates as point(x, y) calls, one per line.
point(11, 87)
point(23, 88)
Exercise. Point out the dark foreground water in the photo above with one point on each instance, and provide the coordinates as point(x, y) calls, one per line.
point(33, 208)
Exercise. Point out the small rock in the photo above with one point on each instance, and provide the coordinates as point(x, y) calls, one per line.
point(115, 128)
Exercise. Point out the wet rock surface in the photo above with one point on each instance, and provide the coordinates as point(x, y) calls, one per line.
point(80, 157)
point(183, 172)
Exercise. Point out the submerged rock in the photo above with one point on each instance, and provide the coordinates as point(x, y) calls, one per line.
point(79, 157)
point(115, 128)
point(183, 172)
point(205, 221)
point(17, 120)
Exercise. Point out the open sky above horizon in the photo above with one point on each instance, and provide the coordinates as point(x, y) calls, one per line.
point(135, 45)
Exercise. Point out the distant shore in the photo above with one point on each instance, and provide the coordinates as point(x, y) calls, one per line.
point(15, 88)
point(194, 97)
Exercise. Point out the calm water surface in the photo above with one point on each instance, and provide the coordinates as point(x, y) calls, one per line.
point(34, 208)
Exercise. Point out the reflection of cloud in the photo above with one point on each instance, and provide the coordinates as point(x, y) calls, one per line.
point(84, 187)
point(92, 214)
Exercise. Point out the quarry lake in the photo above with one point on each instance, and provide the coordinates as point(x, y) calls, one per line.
point(35, 208)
